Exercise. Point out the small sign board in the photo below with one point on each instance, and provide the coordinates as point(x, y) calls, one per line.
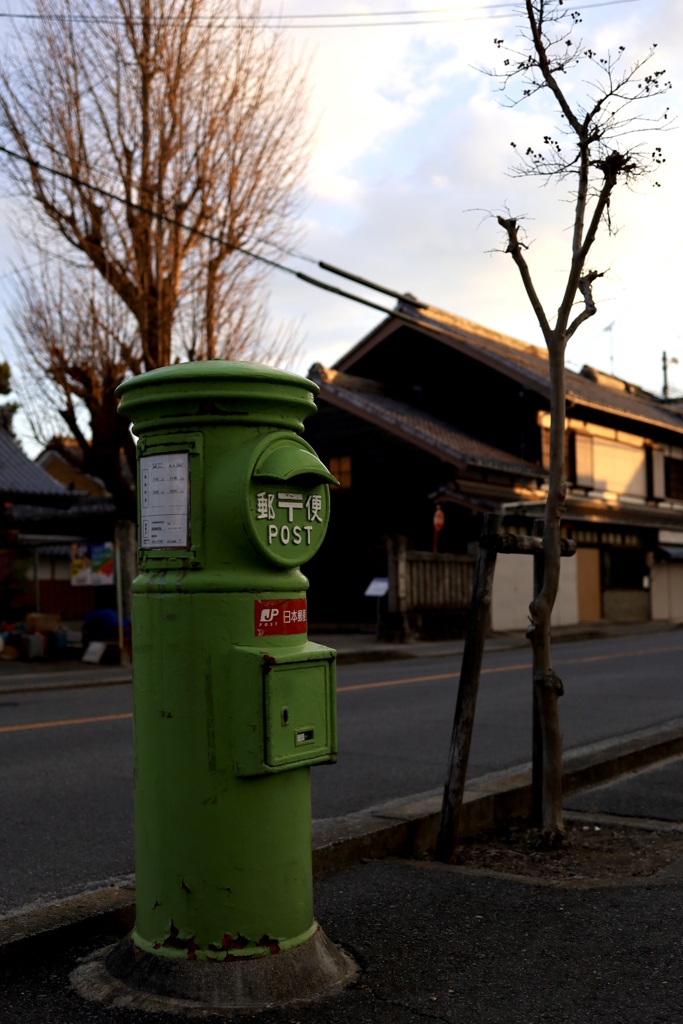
point(164, 500)
point(92, 565)
point(377, 587)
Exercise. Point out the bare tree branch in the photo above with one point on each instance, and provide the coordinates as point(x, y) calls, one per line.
point(514, 247)
point(197, 123)
point(188, 119)
point(596, 147)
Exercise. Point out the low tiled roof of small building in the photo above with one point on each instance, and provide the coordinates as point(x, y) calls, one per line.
point(22, 480)
point(80, 506)
point(367, 400)
point(525, 363)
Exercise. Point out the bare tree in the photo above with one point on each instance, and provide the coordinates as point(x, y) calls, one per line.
point(597, 145)
point(78, 344)
point(156, 137)
point(7, 409)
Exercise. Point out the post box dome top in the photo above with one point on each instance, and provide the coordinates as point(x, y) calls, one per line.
point(217, 391)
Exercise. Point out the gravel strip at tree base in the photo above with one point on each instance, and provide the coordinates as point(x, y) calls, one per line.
point(592, 852)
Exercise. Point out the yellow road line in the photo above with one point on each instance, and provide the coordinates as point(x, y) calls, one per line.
point(396, 682)
point(626, 654)
point(507, 668)
point(64, 721)
point(368, 686)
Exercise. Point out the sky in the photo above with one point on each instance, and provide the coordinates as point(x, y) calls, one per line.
point(413, 153)
point(411, 157)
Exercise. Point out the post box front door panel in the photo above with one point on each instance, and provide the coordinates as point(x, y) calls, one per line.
point(284, 710)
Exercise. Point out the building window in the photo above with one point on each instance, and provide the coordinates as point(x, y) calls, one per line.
point(340, 467)
point(583, 461)
point(623, 569)
point(673, 474)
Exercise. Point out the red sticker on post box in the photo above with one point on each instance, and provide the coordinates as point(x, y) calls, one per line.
point(280, 618)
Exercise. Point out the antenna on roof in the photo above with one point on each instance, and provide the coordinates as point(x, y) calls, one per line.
point(666, 363)
point(608, 330)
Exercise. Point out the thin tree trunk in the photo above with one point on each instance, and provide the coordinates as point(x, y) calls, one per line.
point(126, 535)
point(547, 684)
point(536, 732)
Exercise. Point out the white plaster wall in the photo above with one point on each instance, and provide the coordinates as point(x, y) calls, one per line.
point(566, 610)
point(513, 590)
point(50, 569)
point(659, 591)
point(666, 591)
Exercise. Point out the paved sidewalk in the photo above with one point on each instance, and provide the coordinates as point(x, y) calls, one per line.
point(439, 944)
point(16, 676)
point(444, 944)
point(655, 793)
point(351, 648)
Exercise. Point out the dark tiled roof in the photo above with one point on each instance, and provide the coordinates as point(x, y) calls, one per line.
point(528, 364)
point(21, 479)
point(439, 438)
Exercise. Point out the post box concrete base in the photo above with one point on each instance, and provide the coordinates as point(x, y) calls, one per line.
point(124, 976)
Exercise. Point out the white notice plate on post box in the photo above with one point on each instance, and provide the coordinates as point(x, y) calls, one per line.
point(164, 500)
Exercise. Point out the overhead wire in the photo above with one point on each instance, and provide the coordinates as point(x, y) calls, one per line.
point(34, 16)
point(259, 257)
point(313, 21)
point(398, 314)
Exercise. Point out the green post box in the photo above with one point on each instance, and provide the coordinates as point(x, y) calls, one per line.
point(233, 704)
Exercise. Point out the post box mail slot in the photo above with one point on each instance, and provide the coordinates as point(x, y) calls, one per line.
point(287, 502)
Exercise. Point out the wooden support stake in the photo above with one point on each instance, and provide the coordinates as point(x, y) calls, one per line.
point(470, 671)
point(536, 731)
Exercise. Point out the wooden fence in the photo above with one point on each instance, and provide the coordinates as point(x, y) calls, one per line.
point(421, 583)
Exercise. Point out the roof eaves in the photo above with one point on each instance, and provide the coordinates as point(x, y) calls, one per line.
point(369, 413)
point(368, 342)
point(463, 339)
point(496, 362)
point(470, 339)
point(386, 420)
point(580, 400)
point(21, 479)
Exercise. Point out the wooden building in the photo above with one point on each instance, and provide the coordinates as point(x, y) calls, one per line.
point(441, 411)
point(41, 518)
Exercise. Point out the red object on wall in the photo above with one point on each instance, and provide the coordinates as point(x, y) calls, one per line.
point(438, 521)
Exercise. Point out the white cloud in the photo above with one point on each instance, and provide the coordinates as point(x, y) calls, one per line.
point(412, 137)
point(412, 141)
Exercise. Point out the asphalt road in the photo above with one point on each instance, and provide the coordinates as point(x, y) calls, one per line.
point(65, 756)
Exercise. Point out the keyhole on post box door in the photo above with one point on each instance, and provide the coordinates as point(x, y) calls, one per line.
point(285, 716)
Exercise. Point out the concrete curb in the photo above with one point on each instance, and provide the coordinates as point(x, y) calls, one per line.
point(350, 657)
point(409, 828)
point(75, 684)
point(401, 828)
point(74, 917)
point(343, 658)
point(384, 652)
